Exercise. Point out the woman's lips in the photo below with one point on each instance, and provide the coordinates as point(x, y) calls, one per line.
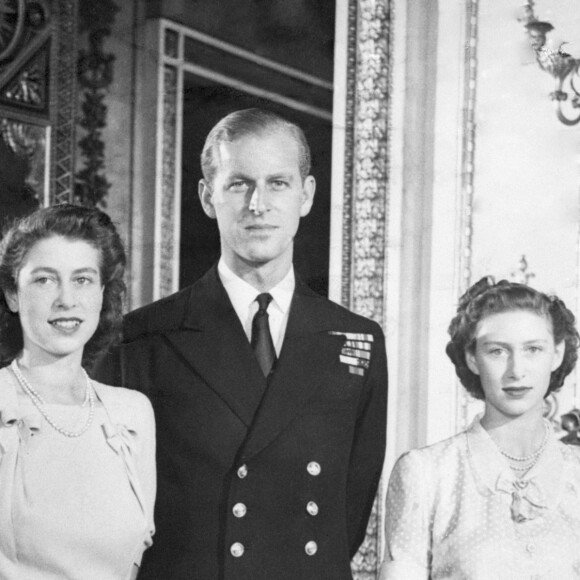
point(66, 324)
point(516, 392)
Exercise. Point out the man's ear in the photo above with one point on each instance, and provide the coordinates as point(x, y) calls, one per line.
point(205, 196)
point(11, 300)
point(471, 362)
point(308, 190)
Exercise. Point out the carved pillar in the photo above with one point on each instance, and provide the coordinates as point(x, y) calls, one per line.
point(365, 193)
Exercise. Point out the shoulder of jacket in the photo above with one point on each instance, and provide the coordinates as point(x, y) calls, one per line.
point(159, 316)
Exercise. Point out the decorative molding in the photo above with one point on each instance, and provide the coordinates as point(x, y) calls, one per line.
point(349, 148)
point(166, 249)
point(63, 103)
point(467, 174)
point(365, 203)
point(95, 75)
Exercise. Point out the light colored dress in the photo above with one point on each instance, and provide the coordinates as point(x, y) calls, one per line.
point(455, 510)
point(75, 508)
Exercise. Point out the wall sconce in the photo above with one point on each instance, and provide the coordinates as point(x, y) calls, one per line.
point(562, 66)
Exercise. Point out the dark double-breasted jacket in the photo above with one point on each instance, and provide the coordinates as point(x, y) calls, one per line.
point(257, 479)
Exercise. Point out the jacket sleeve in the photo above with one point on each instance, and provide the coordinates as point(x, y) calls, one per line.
point(368, 451)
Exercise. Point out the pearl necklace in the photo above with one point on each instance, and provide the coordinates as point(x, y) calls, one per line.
point(39, 402)
point(531, 459)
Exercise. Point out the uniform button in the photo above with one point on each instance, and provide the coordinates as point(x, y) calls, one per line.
point(311, 548)
point(312, 508)
point(243, 471)
point(239, 510)
point(314, 468)
point(237, 550)
point(531, 548)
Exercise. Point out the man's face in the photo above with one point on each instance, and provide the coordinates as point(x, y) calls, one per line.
point(258, 197)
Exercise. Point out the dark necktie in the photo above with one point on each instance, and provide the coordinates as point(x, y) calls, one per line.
point(261, 337)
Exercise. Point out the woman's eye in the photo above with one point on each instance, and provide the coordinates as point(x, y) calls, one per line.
point(43, 280)
point(534, 349)
point(496, 351)
point(84, 280)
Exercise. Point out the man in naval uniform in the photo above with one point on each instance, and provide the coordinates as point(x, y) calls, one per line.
point(270, 399)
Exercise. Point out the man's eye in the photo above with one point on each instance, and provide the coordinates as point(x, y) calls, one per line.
point(278, 184)
point(238, 186)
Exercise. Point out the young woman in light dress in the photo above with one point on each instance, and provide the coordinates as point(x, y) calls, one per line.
point(500, 501)
point(77, 458)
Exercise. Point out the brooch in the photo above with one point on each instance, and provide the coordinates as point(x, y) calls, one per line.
point(356, 351)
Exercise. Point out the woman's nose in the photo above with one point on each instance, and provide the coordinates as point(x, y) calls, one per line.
point(516, 368)
point(66, 296)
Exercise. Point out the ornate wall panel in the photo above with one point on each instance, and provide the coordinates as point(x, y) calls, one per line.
point(365, 203)
point(37, 101)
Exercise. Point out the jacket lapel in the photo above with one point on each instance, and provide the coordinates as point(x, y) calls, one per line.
point(301, 370)
point(212, 342)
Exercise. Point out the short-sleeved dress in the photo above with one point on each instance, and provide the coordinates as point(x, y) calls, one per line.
point(455, 510)
point(75, 508)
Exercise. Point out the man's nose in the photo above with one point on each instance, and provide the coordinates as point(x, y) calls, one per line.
point(257, 204)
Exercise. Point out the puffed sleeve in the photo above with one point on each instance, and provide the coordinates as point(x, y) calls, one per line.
point(408, 521)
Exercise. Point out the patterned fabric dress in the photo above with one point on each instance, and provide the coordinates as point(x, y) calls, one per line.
point(455, 510)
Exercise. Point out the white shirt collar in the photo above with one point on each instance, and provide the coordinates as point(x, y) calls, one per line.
point(243, 294)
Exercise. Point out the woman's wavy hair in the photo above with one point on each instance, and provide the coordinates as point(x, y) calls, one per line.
point(74, 223)
point(487, 297)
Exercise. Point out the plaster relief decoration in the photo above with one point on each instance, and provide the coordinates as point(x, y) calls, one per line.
point(24, 95)
point(95, 75)
point(365, 204)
